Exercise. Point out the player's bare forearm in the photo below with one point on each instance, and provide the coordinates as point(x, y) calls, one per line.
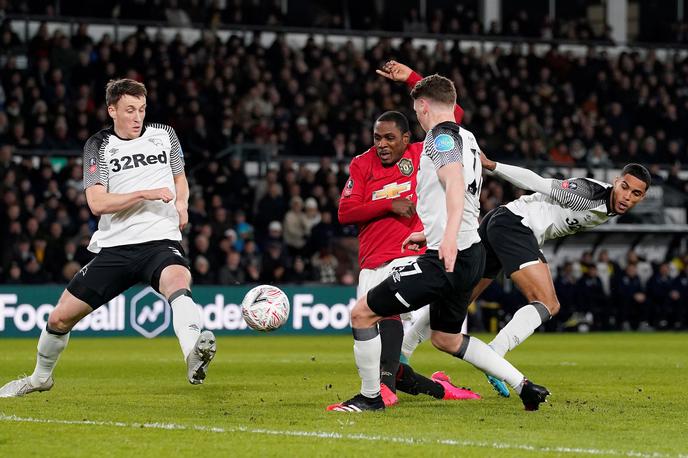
point(451, 176)
point(102, 202)
point(396, 71)
point(181, 186)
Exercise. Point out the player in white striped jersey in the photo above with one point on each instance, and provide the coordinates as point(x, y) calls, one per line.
point(449, 180)
point(134, 180)
point(514, 233)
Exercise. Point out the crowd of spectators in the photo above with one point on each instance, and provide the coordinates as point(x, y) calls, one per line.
point(320, 100)
point(445, 17)
point(283, 229)
point(317, 101)
point(442, 17)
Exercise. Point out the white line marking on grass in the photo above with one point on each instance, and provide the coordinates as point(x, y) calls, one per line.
point(334, 435)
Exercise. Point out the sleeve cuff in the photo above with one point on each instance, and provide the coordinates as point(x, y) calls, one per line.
point(413, 79)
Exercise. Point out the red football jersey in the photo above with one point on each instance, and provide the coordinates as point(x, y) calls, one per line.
point(367, 201)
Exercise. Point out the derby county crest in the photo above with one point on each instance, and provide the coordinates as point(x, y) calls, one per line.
point(405, 166)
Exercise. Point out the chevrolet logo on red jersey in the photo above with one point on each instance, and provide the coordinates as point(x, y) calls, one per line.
point(392, 190)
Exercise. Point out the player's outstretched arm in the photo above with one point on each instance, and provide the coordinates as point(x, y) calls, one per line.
point(102, 202)
point(396, 71)
point(518, 176)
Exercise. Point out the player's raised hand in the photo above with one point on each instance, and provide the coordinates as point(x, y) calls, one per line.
point(163, 194)
point(487, 163)
point(403, 207)
point(395, 71)
point(414, 242)
point(183, 212)
point(448, 252)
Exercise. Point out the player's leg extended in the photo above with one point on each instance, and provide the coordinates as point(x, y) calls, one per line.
point(420, 331)
point(391, 331)
point(535, 282)
point(367, 352)
point(51, 344)
point(480, 355)
point(439, 386)
point(391, 336)
point(197, 347)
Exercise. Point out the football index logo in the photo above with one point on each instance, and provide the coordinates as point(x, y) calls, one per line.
point(149, 314)
point(444, 143)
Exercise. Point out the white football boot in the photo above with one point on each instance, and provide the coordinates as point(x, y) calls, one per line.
point(200, 357)
point(22, 386)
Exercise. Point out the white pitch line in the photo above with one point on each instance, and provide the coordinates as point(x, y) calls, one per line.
point(345, 436)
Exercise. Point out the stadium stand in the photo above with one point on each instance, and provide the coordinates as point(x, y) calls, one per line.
point(309, 108)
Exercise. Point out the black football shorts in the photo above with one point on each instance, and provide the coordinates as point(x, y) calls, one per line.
point(425, 281)
point(509, 245)
point(116, 269)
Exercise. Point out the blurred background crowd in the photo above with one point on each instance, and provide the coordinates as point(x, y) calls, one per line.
point(656, 23)
point(318, 102)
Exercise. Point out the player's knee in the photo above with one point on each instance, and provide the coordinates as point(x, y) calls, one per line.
point(549, 299)
point(448, 343)
point(173, 279)
point(361, 315)
point(58, 323)
point(553, 307)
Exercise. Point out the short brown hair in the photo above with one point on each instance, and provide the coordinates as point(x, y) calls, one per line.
point(116, 89)
point(437, 88)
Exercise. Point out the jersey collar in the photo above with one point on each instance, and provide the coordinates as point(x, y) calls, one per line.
point(608, 201)
point(112, 131)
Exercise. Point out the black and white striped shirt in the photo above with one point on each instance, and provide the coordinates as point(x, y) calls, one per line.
point(558, 207)
point(444, 144)
point(123, 166)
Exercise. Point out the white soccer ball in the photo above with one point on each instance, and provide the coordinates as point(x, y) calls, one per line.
point(265, 308)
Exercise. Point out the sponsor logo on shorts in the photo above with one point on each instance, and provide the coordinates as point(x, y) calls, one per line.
point(175, 251)
point(444, 143)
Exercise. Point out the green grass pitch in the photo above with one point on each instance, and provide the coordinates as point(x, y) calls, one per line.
point(613, 395)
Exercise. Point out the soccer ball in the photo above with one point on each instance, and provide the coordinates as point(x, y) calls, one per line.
point(265, 308)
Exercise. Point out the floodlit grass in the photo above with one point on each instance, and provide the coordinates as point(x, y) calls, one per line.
point(613, 394)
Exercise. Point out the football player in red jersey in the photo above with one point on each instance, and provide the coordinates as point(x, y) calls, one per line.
point(380, 198)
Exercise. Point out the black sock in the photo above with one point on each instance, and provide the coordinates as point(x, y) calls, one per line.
point(412, 383)
point(392, 335)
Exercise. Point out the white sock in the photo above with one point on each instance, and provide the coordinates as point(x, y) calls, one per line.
point(50, 346)
point(419, 333)
point(367, 351)
point(479, 354)
point(524, 322)
point(186, 321)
